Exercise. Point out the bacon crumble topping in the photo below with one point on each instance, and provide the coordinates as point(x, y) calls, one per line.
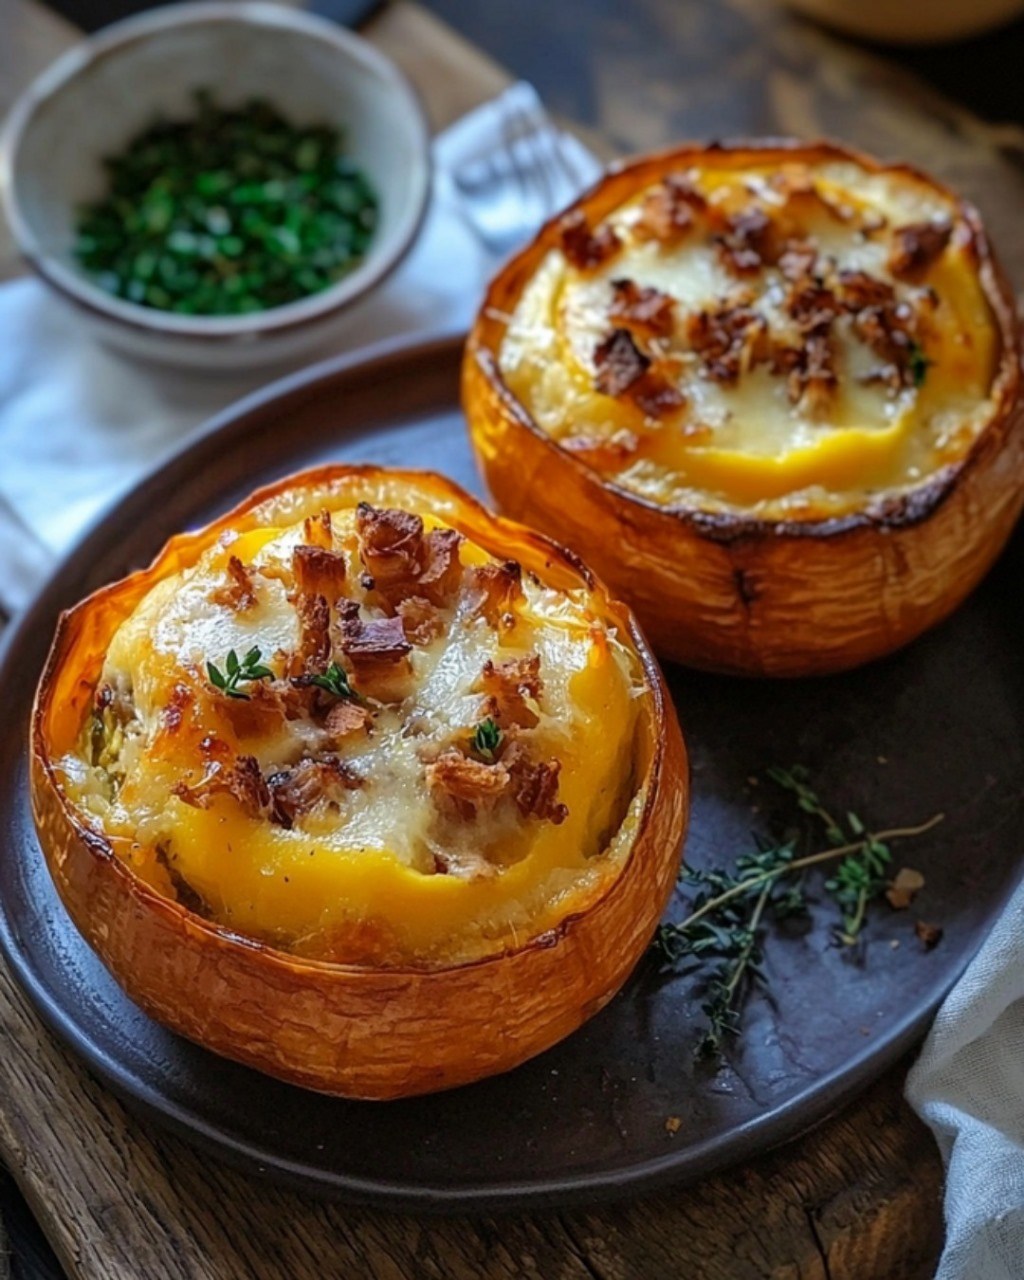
point(370, 641)
point(729, 340)
point(620, 363)
point(583, 247)
point(238, 776)
point(314, 649)
point(317, 530)
point(642, 307)
point(298, 790)
point(916, 246)
point(668, 212)
point(499, 588)
point(402, 560)
point(239, 593)
point(507, 686)
point(319, 572)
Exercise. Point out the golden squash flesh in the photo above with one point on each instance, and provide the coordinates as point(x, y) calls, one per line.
point(771, 392)
point(361, 785)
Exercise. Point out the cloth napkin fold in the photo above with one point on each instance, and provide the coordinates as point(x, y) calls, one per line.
point(80, 423)
point(968, 1086)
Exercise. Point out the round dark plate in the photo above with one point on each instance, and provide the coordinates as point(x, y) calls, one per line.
point(937, 727)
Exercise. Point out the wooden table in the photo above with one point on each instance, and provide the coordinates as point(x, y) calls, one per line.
point(859, 1198)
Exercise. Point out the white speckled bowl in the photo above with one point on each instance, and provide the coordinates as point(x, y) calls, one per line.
point(90, 102)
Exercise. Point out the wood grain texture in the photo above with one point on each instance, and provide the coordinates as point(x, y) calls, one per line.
point(121, 1201)
point(859, 1199)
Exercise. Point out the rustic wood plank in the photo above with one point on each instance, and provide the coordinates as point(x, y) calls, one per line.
point(121, 1200)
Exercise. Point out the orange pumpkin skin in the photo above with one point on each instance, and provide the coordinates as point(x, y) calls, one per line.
point(726, 593)
point(356, 1031)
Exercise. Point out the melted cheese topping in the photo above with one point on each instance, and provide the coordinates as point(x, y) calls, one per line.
point(749, 443)
point(357, 877)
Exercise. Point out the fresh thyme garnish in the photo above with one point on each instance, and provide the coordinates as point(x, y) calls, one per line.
point(228, 680)
point(486, 737)
point(730, 909)
point(335, 680)
point(918, 364)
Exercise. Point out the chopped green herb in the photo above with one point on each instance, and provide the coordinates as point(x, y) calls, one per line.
point(918, 364)
point(334, 680)
point(233, 210)
point(235, 671)
point(486, 738)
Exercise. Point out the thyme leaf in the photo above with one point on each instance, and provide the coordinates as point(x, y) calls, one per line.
point(236, 671)
point(486, 738)
point(722, 936)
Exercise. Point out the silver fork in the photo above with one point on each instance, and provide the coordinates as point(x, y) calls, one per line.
point(509, 190)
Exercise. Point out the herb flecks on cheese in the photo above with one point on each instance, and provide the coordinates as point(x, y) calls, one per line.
point(364, 738)
point(792, 342)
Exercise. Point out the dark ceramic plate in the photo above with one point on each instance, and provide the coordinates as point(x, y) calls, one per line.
point(938, 727)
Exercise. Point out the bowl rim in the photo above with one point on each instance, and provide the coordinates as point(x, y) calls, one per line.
point(154, 23)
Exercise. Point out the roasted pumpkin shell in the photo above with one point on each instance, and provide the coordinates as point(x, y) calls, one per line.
point(361, 1032)
point(724, 592)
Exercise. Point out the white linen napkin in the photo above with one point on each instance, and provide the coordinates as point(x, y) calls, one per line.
point(80, 423)
point(968, 1086)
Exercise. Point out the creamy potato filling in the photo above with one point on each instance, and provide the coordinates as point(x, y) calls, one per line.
point(789, 342)
point(363, 738)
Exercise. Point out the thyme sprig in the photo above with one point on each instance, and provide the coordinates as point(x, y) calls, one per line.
point(486, 738)
point(236, 671)
point(730, 910)
point(335, 680)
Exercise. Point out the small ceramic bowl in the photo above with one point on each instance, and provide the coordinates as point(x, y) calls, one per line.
point(95, 98)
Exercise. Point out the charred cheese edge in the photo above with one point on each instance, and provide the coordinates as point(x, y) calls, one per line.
point(352, 843)
point(788, 342)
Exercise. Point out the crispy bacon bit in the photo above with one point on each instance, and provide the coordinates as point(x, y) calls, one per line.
point(747, 242)
point(620, 363)
point(812, 306)
point(534, 785)
point(442, 568)
point(889, 331)
point(585, 248)
point(728, 341)
point(465, 785)
point(930, 935)
point(667, 213)
point(390, 543)
point(171, 716)
point(643, 308)
point(345, 719)
point(401, 561)
point(508, 685)
point(812, 379)
point(858, 289)
point(296, 791)
point(240, 779)
point(500, 588)
point(916, 246)
point(609, 454)
point(374, 641)
point(655, 396)
point(797, 260)
point(318, 572)
point(420, 620)
point(239, 593)
point(314, 649)
point(317, 532)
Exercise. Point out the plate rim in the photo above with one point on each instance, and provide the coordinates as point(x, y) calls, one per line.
point(780, 1124)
